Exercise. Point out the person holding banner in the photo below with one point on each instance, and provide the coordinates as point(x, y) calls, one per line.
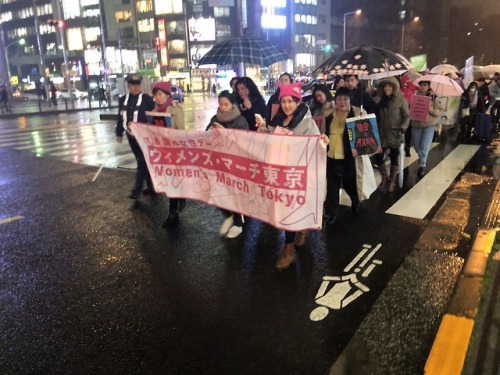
point(228, 116)
point(162, 92)
point(273, 102)
point(340, 165)
point(132, 108)
point(393, 120)
point(423, 131)
point(250, 101)
point(293, 118)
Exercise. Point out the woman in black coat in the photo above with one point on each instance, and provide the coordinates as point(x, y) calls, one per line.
point(250, 101)
point(228, 117)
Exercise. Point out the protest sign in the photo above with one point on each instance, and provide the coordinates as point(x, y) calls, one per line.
point(419, 108)
point(363, 135)
point(159, 119)
point(277, 179)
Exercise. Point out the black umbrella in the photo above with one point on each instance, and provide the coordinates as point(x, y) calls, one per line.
point(252, 51)
point(366, 62)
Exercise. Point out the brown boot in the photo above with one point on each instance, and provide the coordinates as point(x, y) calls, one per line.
point(383, 172)
point(287, 258)
point(301, 238)
point(392, 178)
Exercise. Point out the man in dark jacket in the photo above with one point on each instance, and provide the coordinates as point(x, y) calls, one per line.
point(132, 108)
point(359, 96)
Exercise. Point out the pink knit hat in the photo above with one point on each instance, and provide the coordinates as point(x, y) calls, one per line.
point(164, 86)
point(292, 89)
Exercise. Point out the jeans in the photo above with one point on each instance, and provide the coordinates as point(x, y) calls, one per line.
point(422, 140)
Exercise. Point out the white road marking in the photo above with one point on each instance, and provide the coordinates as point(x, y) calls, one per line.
point(420, 199)
point(345, 288)
point(11, 219)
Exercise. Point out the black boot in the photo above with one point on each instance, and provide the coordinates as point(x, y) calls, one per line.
point(172, 219)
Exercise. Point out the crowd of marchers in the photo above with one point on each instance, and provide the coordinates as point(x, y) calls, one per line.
point(325, 115)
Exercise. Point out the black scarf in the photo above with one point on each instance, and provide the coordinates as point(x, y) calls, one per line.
point(297, 117)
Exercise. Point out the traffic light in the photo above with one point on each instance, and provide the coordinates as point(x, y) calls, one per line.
point(58, 23)
point(327, 48)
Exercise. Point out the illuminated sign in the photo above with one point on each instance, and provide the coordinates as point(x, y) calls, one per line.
point(197, 53)
point(244, 19)
point(272, 21)
point(201, 29)
point(162, 47)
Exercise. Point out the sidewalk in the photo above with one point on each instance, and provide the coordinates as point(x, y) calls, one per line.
point(468, 338)
point(35, 108)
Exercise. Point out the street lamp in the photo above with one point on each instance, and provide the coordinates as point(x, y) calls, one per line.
point(357, 12)
point(21, 42)
point(402, 15)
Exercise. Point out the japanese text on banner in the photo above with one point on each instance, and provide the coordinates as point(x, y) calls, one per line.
point(276, 179)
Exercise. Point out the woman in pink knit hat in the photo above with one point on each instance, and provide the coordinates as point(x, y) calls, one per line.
point(162, 93)
point(293, 118)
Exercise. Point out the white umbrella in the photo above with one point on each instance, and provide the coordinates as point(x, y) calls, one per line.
point(444, 67)
point(442, 85)
point(491, 69)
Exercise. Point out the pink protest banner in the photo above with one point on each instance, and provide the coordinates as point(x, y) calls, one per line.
point(278, 179)
point(419, 107)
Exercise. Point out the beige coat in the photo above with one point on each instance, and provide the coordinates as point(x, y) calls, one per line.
point(177, 113)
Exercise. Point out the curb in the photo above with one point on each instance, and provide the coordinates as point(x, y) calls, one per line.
point(462, 327)
point(58, 112)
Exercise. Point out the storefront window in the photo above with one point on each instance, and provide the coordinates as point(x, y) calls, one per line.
point(74, 39)
point(177, 46)
point(168, 6)
point(144, 6)
point(123, 16)
point(146, 25)
point(92, 34)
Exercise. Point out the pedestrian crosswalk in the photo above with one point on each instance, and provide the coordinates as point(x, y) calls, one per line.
point(90, 144)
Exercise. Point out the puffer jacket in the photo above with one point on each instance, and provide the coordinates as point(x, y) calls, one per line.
point(392, 114)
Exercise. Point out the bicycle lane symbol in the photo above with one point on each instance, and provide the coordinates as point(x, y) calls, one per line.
point(346, 288)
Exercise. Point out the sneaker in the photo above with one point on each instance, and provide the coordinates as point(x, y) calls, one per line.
point(149, 191)
point(421, 172)
point(133, 196)
point(226, 225)
point(234, 232)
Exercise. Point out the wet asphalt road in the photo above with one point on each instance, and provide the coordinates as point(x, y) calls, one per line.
point(91, 282)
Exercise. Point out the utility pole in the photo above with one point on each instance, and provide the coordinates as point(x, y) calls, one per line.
point(61, 26)
point(104, 57)
point(41, 66)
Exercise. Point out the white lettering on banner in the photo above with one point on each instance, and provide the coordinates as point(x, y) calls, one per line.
point(346, 288)
point(248, 172)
